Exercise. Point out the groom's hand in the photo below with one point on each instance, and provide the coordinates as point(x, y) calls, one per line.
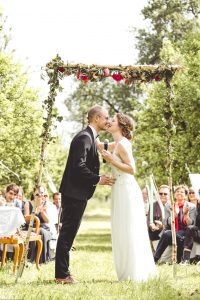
point(106, 180)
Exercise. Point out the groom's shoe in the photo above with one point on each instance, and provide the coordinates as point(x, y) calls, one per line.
point(67, 280)
point(156, 260)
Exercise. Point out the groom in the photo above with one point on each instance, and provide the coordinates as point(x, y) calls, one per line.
point(78, 184)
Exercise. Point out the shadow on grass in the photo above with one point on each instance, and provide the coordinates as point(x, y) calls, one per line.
point(94, 242)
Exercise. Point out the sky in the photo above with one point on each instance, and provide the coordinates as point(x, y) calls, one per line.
point(86, 31)
point(89, 31)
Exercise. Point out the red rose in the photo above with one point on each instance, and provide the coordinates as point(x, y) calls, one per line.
point(117, 77)
point(83, 77)
point(157, 78)
point(61, 69)
point(106, 72)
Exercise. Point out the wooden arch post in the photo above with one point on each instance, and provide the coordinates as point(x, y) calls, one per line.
point(46, 137)
point(170, 130)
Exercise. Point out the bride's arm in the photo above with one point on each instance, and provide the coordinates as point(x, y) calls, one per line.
point(125, 165)
point(100, 145)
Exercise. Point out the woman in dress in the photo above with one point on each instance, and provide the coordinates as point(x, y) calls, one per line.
point(39, 195)
point(130, 241)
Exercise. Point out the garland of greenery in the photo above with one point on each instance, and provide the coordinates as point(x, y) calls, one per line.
point(126, 74)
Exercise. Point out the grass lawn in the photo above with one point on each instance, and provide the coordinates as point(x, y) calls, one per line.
point(93, 267)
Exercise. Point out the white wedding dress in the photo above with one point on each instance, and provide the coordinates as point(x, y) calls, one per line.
point(130, 241)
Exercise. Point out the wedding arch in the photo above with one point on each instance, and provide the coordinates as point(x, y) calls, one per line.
point(56, 70)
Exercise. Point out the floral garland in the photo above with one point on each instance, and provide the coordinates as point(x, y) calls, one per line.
point(126, 74)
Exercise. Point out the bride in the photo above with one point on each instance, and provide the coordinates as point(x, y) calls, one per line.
point(130, 241)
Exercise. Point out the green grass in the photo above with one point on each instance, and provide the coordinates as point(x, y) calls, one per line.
point(93, 267)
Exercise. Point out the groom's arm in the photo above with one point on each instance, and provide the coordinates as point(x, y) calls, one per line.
point(81, 148)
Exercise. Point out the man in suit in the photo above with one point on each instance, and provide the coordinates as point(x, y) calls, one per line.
point(160, 214)
point(78, 184)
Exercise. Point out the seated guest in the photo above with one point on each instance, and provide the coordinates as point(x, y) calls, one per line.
point(57, 203)
point(192, 233)
point(11, 194)
point(146, 200)
point(21, 199)
point(52, 213)
point(185, 213)
point(160, 212)
point(2, 199)
point(42, 214)
point(192, 197)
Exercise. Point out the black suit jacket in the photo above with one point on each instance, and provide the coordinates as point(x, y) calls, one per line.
point(82, 169)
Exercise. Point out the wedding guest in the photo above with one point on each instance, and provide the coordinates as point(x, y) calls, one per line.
point(42, 214)
point(192, 197)
point(11, 194)
point(146, 200)
point(2, 199)
point(21, 199)
point(185, 213)
point(192, 233)
point(52, 213)
point(57, 203)
point(161, 212)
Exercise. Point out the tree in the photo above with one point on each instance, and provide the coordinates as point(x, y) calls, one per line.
point(171, 19)
point(21, 121)
point(150, 141)
point(55, 162)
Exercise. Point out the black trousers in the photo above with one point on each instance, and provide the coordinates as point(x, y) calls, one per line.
point(72, 212)
point(154, 235)
point(192, 235)
point(166, 240)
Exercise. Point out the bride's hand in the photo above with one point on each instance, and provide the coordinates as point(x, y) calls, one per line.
point(107, 156)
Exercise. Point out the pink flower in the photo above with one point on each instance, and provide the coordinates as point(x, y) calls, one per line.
point(106, 72)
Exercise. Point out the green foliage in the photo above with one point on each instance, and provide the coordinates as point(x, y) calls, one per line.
point(55, 163)
point(172, 19)
point(150, 141)
point(20, 113)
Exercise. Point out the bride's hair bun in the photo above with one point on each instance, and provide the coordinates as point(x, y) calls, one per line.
point(126, 125)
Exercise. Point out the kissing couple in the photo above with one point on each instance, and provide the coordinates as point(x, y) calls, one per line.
point(132, 253)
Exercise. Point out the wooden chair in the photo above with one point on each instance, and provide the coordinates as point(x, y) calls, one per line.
point(18, 245)
point(18, 240)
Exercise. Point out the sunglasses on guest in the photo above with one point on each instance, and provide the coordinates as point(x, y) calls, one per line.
point(191, 193)
point(163, 194)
